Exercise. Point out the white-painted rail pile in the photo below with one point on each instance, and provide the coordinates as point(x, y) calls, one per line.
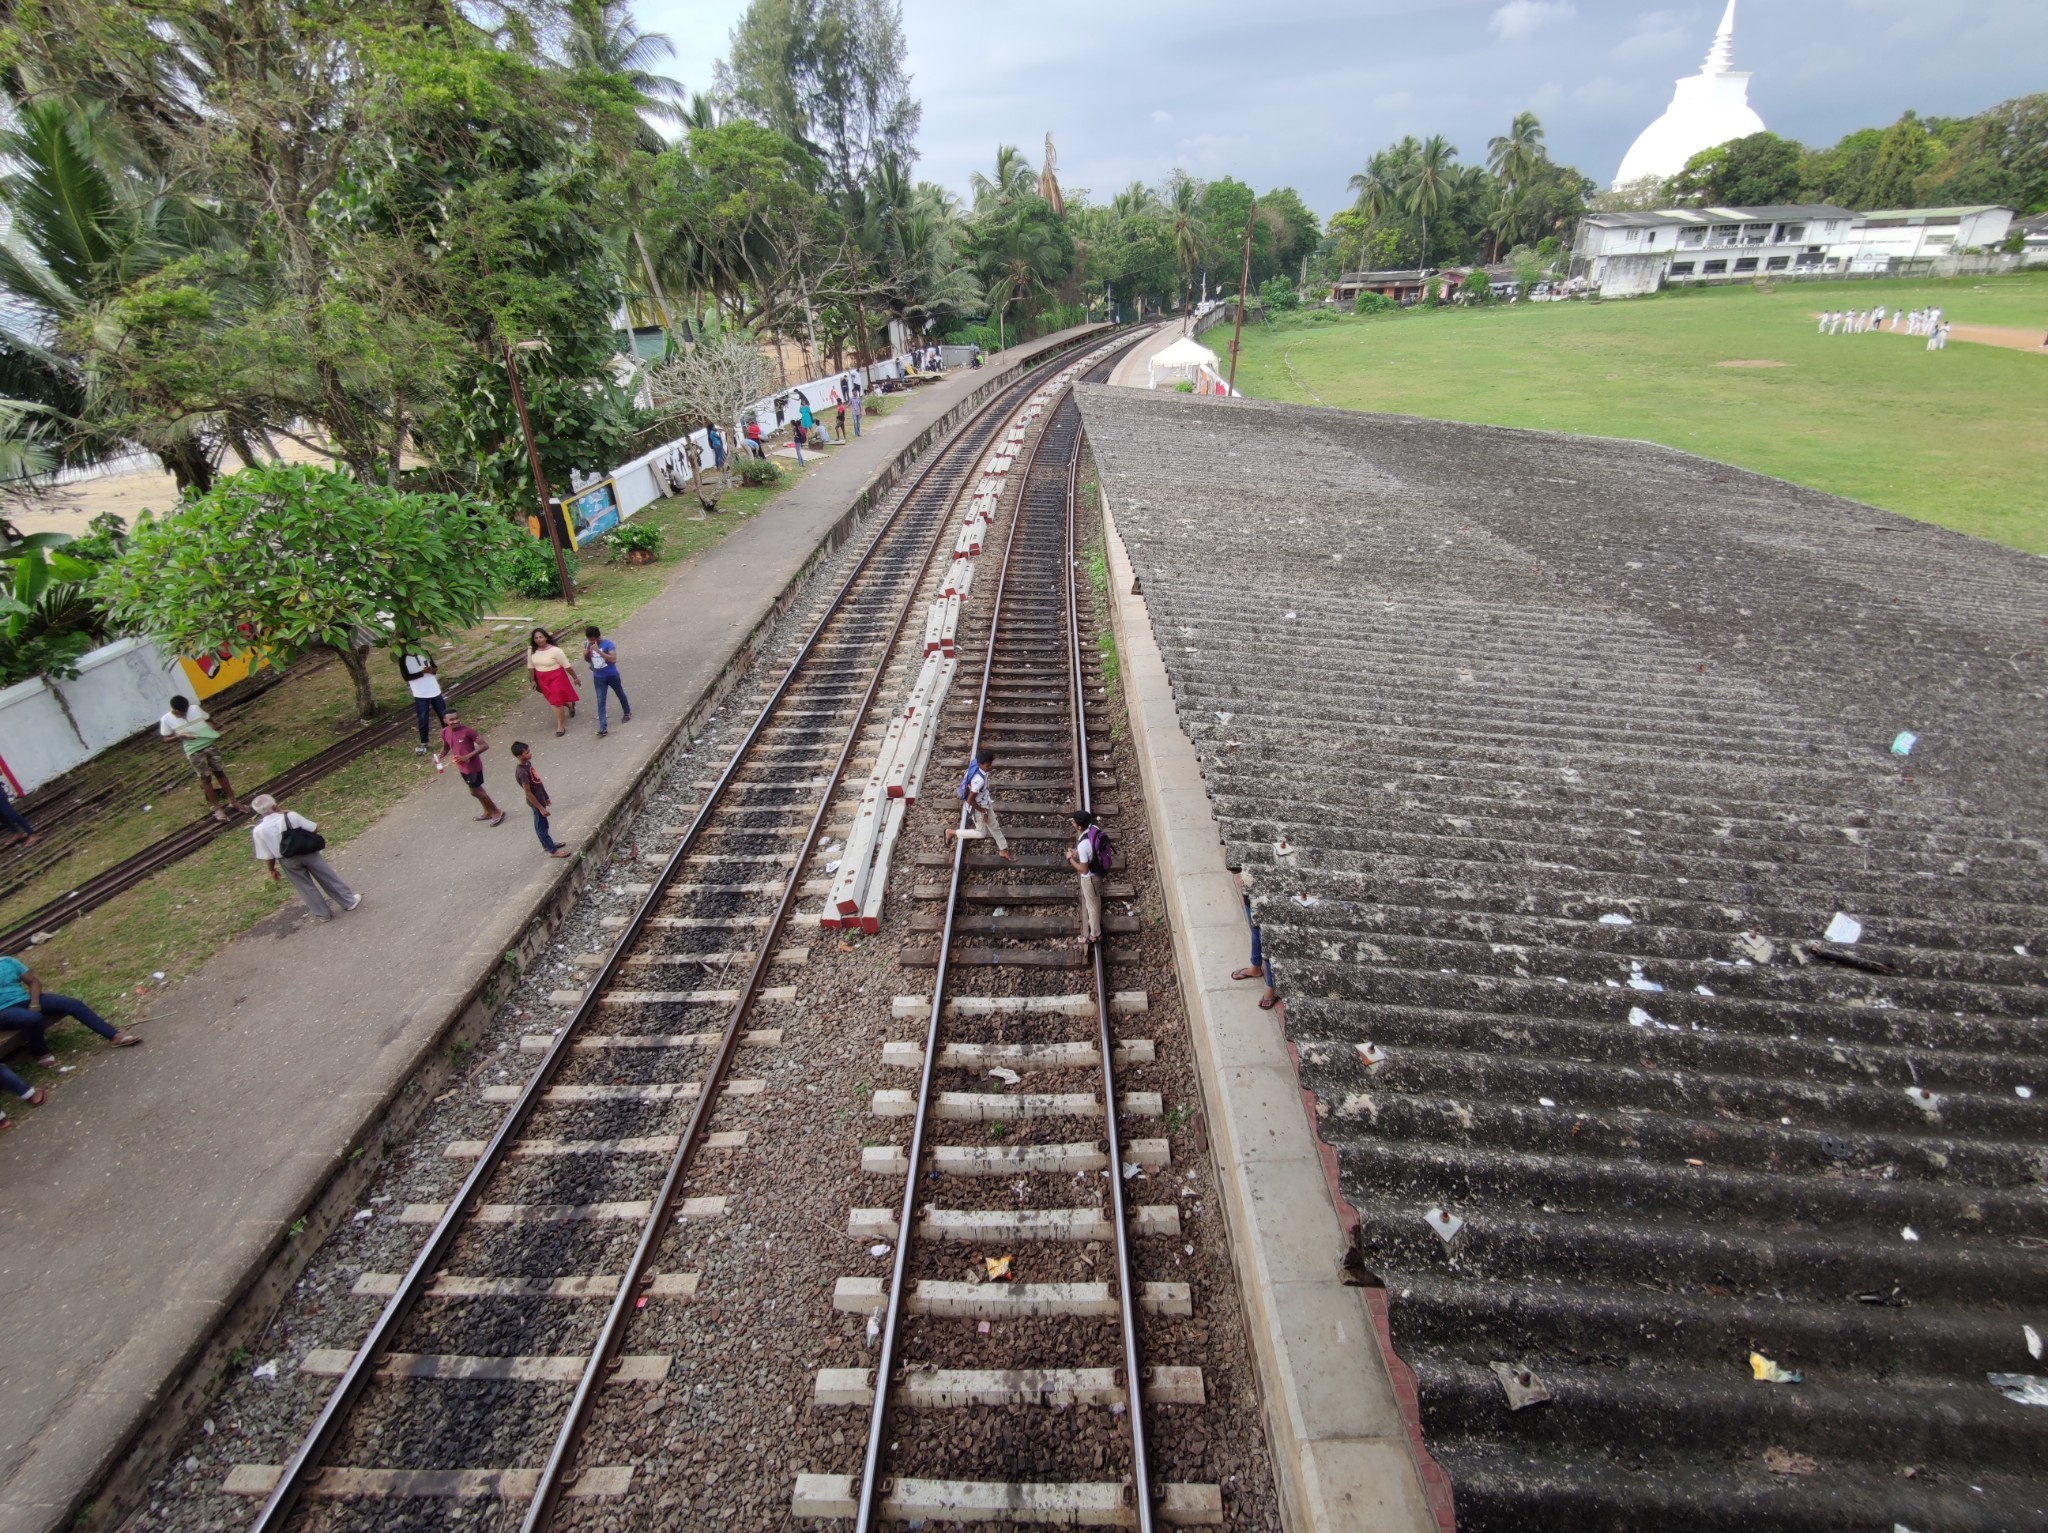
point(855, 898)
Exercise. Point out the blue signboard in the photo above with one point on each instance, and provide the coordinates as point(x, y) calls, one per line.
point(594, 512)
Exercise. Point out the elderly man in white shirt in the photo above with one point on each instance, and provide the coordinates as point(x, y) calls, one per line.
point(291, 845)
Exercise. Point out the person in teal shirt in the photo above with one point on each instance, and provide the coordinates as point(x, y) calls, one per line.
point(26, 1008)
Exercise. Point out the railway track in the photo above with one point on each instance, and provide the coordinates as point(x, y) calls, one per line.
point(537, 1265)
point(1020, 1163)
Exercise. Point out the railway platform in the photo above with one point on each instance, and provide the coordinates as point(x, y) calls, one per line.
point(153, 1215)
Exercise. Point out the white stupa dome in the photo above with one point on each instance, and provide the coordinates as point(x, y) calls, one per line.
point(1708, 108)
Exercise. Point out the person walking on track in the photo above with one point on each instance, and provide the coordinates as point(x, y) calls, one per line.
point(1086, 859)
point(291, 845)
point(423, 681)
point(536, 791)
point(602, 656)
point(552, 678)
point(465, 747)
point(27, 1008)
point(980, 800)
point(187, 723)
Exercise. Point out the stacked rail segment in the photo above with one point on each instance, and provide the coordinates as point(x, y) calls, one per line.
point(542, 1257)
point(897, 778)
point(1015, 1158)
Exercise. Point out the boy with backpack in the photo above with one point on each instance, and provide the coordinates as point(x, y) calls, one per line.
point(974, 791)
point(1093, 855)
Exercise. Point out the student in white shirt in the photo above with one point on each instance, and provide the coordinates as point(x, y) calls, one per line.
point(423, 680)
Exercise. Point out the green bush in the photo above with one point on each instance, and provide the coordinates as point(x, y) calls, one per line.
point(1277, 294)
point(1185, 386)
point(758, 471)
point(1372, 303)
point(636, 538)
point(532, 569)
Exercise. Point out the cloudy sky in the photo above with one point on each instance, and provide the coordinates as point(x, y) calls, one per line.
point(1301, 94)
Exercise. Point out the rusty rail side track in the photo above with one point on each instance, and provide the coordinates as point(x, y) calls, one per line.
point(187, 839)
point(889, 575)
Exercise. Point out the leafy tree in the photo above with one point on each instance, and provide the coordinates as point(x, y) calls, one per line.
point(284, 559)
point(1021, 256)
point(1755, 171)
point(828, 74)
point(1295, 230)
point(1999, 156)
point(1903, 155)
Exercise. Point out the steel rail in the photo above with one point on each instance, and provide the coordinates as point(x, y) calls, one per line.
point(547, 1494)
point(1105, 1045)
point(867, 1503)
point(176, 845)
point(299, 1472)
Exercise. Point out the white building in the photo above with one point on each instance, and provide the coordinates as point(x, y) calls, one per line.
point(1706, 109)
point(1625, 254)
point(1914, 234)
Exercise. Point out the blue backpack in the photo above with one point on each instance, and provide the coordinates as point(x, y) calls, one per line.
point(967, 782)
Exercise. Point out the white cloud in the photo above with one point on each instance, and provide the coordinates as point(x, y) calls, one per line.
point(1161, 119)
point(1519, 18)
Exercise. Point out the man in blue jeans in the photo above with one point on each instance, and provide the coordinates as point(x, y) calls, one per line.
point(602, 656)
point(26, 1008)
point(536, 791)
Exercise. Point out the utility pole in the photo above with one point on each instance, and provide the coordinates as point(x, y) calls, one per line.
point(1243, 283)
point(548, 519)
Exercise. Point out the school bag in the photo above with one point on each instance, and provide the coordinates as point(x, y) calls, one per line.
point(967, 782)
point(1101, 849)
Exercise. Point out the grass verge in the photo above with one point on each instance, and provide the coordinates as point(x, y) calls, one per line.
point(172, 923)
point(1738, 374)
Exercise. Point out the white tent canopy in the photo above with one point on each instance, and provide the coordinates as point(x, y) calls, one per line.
point(1182, 360)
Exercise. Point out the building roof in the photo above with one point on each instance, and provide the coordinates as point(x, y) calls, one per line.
point(1554, 759)
point(1911, 214)
point(1775, 213)
point(1416, 275)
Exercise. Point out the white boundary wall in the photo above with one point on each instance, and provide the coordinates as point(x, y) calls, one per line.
point(48, 727)
point(635, 484)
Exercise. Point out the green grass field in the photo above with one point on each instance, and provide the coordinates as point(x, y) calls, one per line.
point(1958, 437)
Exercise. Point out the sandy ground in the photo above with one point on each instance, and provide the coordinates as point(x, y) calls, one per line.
point(2013, 337)
point(70, 507)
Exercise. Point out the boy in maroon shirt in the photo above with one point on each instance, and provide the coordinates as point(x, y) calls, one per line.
point(466, 748)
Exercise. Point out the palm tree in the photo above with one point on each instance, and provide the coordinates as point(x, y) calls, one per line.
point(1020, 261)
point(1012, 180)
point(1183, 204)
point(602, 35)
point(83, 222)
point(1134, 201)
point(1515, 155)
point(1428, 184)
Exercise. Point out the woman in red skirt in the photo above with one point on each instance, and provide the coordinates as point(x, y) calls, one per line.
point(552, 678)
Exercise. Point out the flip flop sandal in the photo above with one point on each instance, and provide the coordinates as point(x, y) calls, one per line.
point(1247, 973)
point(1268, 1002)
point(125, 1041)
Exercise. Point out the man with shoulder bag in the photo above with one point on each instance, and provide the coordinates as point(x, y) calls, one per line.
point(291, 845)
